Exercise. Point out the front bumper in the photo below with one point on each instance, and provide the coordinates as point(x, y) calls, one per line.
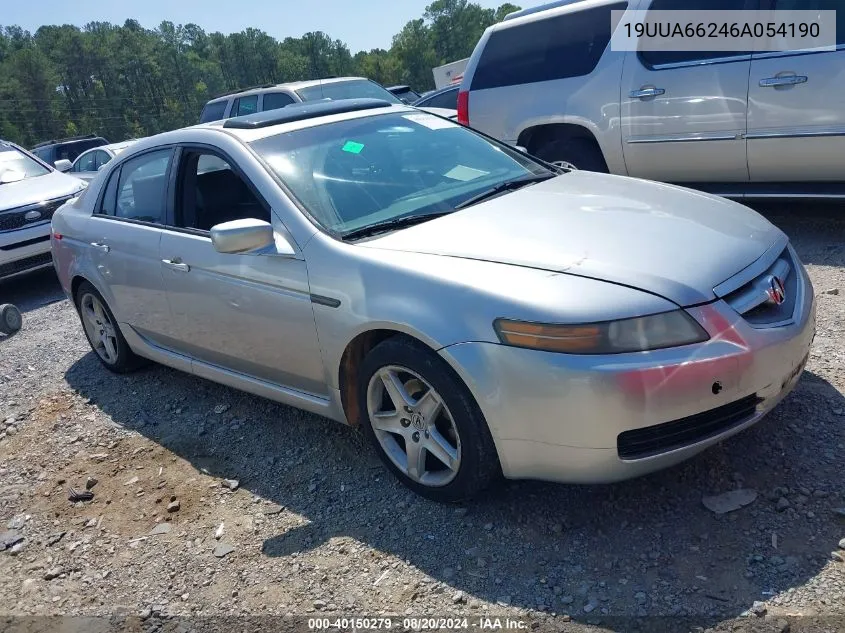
point(558, 417)
point(24, 250)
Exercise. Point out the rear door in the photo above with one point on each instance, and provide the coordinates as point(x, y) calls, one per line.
point(796, 108)
point(684, 113)
point(125, 234)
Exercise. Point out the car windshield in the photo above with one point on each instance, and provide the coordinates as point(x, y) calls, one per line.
point(352, 89)
point(375, 169)
point(15, 165)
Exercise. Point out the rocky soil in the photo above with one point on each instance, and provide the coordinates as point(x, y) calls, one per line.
point(210, 502)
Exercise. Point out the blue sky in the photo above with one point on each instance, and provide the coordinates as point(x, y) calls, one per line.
point(362, 24)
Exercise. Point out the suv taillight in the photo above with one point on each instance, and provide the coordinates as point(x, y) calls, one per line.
point(463, 107)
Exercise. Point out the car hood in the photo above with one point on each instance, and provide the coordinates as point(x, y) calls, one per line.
point(39, 189)
point(669, 241)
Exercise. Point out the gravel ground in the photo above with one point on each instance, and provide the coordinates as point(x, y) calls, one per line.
point(314, 525)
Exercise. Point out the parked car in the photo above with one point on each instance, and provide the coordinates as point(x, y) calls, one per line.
point(90, 162)
point(56, 152)
point(404, 93)
point(275, 96)
point(444, 98)
point(762, 125)
point(474, 310)
point(30, 191)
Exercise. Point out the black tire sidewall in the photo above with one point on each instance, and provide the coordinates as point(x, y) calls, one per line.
point(10, 319)
point(126, 359)
point(479, 461)
point(580, 152)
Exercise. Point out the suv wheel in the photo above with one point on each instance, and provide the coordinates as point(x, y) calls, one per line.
point(102, 331)
point(424, 423)
point(578, 152)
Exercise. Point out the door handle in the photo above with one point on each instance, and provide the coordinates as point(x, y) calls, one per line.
point(101, 247)
point(646, 93)
point(176, 264)
point(789, 80)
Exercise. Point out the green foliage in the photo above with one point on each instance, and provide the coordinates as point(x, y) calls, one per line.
point(127, 81)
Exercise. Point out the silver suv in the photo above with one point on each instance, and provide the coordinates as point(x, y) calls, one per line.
point(30, 192)
point(755, 125)
point(274, 96)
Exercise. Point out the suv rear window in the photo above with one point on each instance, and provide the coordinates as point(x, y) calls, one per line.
point(568, 45)
point(213, 111)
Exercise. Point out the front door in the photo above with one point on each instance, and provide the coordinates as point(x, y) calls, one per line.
point(250, 314)
point(684, 113)
point(126, 229)
point(796, 109)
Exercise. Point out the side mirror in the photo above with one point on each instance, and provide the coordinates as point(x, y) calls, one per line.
point(249, 236)
point(63, 164)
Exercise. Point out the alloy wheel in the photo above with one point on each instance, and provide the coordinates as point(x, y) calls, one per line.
point(99, 328)
point(413, 425)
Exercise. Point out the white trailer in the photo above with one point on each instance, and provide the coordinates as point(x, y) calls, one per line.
point(450, 73)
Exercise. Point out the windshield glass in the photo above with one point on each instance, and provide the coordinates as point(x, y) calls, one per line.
point(15, 165)
point(353, 89)
point(373, 169)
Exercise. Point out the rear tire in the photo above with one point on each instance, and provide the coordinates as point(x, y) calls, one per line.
point(10, 319)
point(579, 152)
point(103, 332)
point(436, 442)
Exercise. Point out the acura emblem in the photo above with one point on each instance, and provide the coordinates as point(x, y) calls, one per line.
point(776, 291)
point(32, 215)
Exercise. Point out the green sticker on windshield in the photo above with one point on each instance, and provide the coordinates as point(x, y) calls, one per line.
point(352, 147)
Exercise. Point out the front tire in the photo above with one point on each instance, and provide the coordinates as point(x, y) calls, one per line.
point(102, 331)
point(424, 423)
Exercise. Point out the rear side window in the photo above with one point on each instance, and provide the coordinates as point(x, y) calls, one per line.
point(213, 111)
point(276, 100)
point(818, 5)
point(569, 45)
point(657, 58)
point(142, 186)
point(244, 106)
point(86, 163)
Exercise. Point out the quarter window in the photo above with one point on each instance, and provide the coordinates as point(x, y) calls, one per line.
point(658, 58)
point(141, 187)
point(559, 47)
point(102, 159)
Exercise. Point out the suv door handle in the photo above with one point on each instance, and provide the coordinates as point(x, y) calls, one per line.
point(101, 247)
point(789, 80)
point(646, 93)
point(176, 264)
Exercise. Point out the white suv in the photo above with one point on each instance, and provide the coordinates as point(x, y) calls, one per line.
point(756, 125)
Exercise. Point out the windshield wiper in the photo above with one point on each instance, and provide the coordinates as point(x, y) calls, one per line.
point(392, 225)
point(503, 187)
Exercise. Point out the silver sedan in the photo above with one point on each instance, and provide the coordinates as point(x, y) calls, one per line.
point(475, 312)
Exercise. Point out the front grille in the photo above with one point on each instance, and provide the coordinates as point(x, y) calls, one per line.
point(25, 264)
point(753, 302)
point(16, 218)
point(662, 438)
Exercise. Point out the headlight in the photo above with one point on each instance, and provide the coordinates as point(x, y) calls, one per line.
point(657, 331)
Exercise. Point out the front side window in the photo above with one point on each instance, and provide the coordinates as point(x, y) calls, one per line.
point(210, 192)
point(15, 165)
point(559, 47)
point(355, 173)
point(352, 89)
point(657, 58)
point(276, 100)
point(86, 162)
point(142, 186)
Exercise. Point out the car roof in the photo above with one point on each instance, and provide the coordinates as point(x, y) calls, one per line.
point(291, 85)
point(543, 7)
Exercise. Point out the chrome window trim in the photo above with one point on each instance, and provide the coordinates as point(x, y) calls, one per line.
point(699, 62)
point(683, 139)
point(816, 51)
point(805, 134)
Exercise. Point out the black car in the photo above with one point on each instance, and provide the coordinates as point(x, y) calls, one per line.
point(66, 149)
point(404, 93)
point(443, 98)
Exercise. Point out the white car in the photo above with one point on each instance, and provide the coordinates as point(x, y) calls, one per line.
point(30, 192)
point(86, 166)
